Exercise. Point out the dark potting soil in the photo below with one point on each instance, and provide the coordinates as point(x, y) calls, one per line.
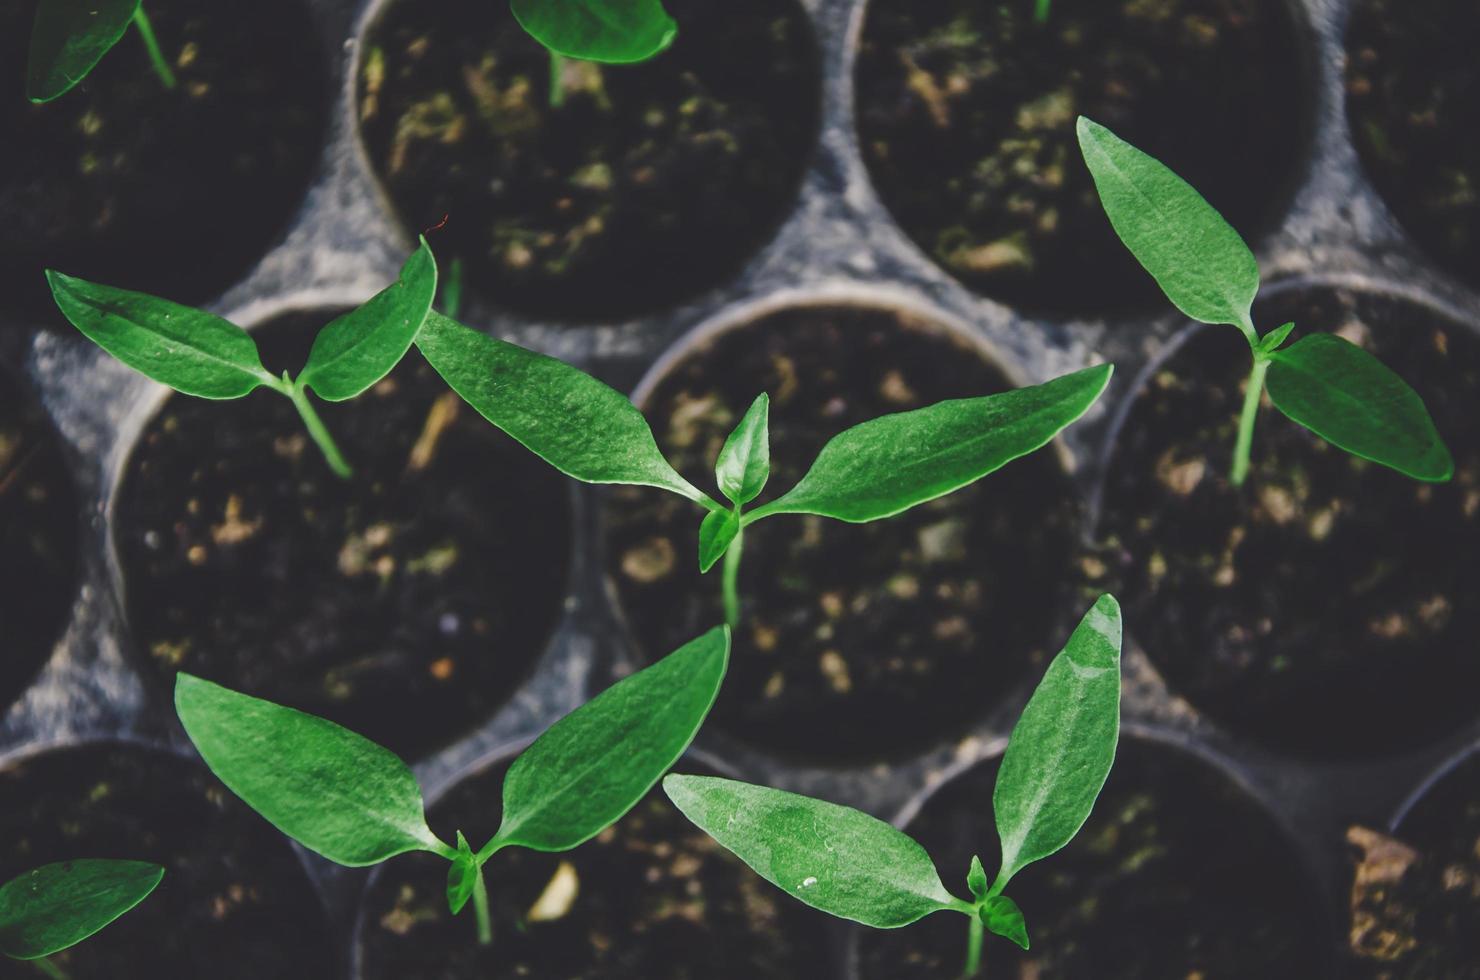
point(172, 192)
point(1416, 896)
point(1178, 873)
point(1413, 95)
point(235, 903)
point(857, 641)
point(1324, 608)
point(652, 898)
point(38, 539)
point(650, 184)
point(407, 602)
point(966, 114)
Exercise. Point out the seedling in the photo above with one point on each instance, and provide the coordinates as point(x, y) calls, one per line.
point(200, 354)
point(69, 38)
point(874, 470)
point(57, 906)
point(1041, 10)
point(357, 804)
point(851, 865)
point(1331, 386)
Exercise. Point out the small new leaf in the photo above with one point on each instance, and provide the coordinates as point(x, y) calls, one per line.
point(744, 463)
point(359, 348)
point(1060, 751)
point(1351, 399)
point(337, 793)
point(190, 350)
point(58, 905)
point(583, 428)
point(596, 763)
point(612, 31)
point(462, 876)
point(887, 465)
point(976, 878)
point(716, 534)
point(1272, 340)
point(1002, 916)
point(831, 857)
point(69, 38)
point(1196, 257)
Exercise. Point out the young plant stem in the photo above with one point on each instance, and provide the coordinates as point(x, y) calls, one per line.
point(49, 968)
point(1247, 418)
point(480, 910)
point(557, 81)
point(1040, 11)
point(151, 43)
point(976, 932)
point(731, 582)
point(315, 426)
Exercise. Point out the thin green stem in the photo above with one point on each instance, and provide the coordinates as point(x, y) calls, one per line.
point(1040, 12)
point(1247, 418)
point(49, 968)
point(316, 430)
point(977, 931)
point(732, 580)
point(557, 80)
point(480, 909)
point(151, 43)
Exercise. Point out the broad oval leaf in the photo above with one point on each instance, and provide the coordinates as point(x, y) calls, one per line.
point(1351, 399)
point(890, 464)
point(336, 793)
point(462, 875)
point(58, 905)
point(68, 38)
point(1002, 916)
point(578, 425)
point(190, 350)
point(1061, 749)
point(716, 534)
point(592, 766)
point(1200, 262)
point(744, 462)
point(356, 350)
point(833, 858)
point(612, 31)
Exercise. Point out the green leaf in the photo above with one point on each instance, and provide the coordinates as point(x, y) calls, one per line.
point(359, 348)
point(1272, 340)
point(716, 535)
point(596, 763)
point(1002, 916)
point(1349, 398)
point(892, 463)
point(976, 878)
point(462, 877)
point(68, 38)
point(59, 905)
point(833, 858)
point(190, 350)
point(336, 793)
point(1060, 751)
point(575, 423)
point(745, 461)
point(1196, 257)
point(613, 31)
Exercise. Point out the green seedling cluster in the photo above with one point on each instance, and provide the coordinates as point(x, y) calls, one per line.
point(851, 865)
point(1331, 386)
point(354, 802)
point(69, 38)
point(57, 906)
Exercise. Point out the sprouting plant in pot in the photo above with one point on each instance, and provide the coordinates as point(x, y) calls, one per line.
point(1325, 383)
point(198, 353)
point(69, 38)
point(354, 802)
point(856, 867)
point(874, 470)
point(57, 906)
point(614, 32)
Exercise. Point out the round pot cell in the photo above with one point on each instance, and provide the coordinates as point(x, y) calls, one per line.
point(966, 113)
point(1320, 608)
point(38, 538)
point(612, 191)
point(407, 602)
point(857, 641)
point(235, 902)
point(1413, 93)
point(169, 191)
point(1177, 873)
point(650, 898)
point(1415, 897)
